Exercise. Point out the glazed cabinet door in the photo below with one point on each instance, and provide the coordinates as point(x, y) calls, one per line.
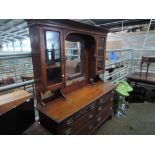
point(100, 54)
point(53, 57)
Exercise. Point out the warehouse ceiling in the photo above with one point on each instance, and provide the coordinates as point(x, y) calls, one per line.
point(12, 30)
point(16, 29)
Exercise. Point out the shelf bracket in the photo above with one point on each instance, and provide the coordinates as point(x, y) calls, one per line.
point(61, 94)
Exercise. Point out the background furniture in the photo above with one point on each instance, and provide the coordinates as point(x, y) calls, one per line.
point(139, 93)
point(148, 60)
point(28, 77)
point(16, 112)
point(134, 77)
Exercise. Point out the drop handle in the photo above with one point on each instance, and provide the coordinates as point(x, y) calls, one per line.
point(90, 116)
point(90, 127)
point(92, 107)
point(68, 131)
point(100, 108)
point(69, 122)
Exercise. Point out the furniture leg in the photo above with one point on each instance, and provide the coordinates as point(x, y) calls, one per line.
point(148, 64)
point(141, 68)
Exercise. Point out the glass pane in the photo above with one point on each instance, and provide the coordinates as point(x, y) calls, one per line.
point(52, 47)
point(53, 75)
point(100, 64)
point(74, 67)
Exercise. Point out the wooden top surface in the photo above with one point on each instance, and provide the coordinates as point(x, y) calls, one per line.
point(27, 77)
point(12, 100)
point(136, 77)
point(60, 109)
point(148, 58)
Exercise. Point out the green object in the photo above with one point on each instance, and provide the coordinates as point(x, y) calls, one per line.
point(126, 86)
point(121, 90)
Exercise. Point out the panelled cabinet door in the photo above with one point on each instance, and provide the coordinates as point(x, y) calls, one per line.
point(100, 54)
point(53, 58)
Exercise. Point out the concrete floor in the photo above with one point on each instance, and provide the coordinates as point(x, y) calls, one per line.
point(139, 120)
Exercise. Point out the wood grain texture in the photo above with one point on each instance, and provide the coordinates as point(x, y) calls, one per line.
point(60, 109)
point(12, 100)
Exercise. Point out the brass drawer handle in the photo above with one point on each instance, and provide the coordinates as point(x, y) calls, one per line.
point(99, 119)
point(100, 100)
point(69, 122)
point(100, 108)
point(92, 107)
point(90, 127)
point(68, 131)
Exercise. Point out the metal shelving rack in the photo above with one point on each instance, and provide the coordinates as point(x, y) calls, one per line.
point(121, 67)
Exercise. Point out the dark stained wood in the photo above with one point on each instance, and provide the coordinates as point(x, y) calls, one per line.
point(65, 27)
point(60, 109)
point(84, 121)
point(26, 77)
point(11, 100)
point(134, 77)
point(148, 60)
point(67, 24)
point(17, 120)
point(79, 108)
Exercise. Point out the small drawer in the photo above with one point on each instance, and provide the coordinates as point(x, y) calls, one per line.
point(67, 131)
point(87, 109)
point(87, 129)
point(71, 127)
point(105, 113)
point(101, 106)
point(69, 121)
point(78, 115)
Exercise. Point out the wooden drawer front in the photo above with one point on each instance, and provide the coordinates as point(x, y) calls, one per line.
point(76, 125)
point(102, 103)
point(78, 115)
point(108, 95)
point(87, 109)
point(85, 130)
point(104, 114)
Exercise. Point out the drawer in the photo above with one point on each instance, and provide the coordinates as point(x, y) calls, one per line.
point(108, 95)
point(104, 114)
point(85, 130)
point(104, 101)
point(101, 105)
point(88, 109)
point(76, 125)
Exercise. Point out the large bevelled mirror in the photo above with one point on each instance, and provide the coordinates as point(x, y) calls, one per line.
point(74, 59)
point(79, 52)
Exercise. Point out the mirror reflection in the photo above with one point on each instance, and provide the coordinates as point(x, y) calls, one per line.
point(73, 67)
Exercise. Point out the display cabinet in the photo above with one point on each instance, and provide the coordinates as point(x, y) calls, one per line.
point(101, 54)
point(47, 57)
point(67, 56)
